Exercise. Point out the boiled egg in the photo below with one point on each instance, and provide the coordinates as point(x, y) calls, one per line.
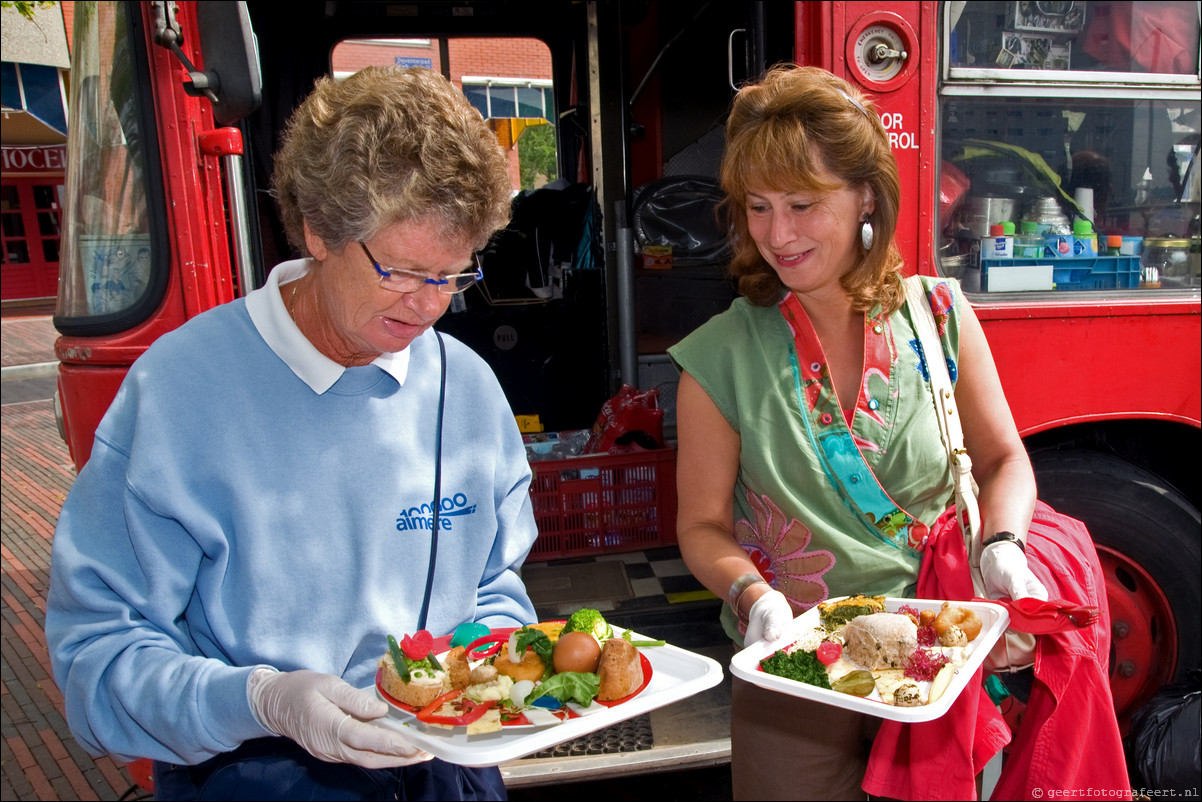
point(576, 651)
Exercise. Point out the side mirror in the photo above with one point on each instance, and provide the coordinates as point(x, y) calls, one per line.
point(231, 58)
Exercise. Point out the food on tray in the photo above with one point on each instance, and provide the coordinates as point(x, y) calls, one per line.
point(410, 673)
point(896, 658)
point(801, 665)
point(951, 618)
point(577, 651)
point(880, 640)
point(941, 682)
point(524, 677)
point(591, 621)
point(907, 695)
point(620, 671)
point(552, 629)
point(840, 612)
point(529, 666)
point(857, 683)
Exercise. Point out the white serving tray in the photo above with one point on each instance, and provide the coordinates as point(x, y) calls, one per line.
point(994, 620)
point(675, 674)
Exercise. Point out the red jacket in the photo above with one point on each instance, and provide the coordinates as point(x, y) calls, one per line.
point(1068, 740)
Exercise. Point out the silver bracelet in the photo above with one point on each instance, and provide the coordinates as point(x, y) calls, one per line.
point(740, 586)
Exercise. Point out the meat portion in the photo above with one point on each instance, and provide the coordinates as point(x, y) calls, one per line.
point(880, 640)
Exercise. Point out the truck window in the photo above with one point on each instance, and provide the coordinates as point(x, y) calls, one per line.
point(112, 271)
point(507, 79)
point(1058, 116)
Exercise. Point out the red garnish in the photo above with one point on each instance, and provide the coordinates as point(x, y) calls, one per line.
point(907, 610)
point(828, 652)
point(417, 645)
point(467, 709)
point(923, 665)
point(927, 636)
point(492, 641)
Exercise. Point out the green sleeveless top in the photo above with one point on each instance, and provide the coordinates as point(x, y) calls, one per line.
point(824, 508)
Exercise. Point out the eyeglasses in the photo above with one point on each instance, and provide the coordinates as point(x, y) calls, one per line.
point(398, 279)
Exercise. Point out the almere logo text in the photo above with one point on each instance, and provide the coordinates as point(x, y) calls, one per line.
point(421, 518)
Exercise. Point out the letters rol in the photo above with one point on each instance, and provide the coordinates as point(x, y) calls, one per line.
point(898, 139)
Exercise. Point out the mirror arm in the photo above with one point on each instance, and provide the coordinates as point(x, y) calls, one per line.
point(167, 34)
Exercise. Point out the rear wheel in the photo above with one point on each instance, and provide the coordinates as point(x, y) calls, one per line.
point(1147, 535)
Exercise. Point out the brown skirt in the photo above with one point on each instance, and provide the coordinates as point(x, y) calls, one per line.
point(783, 747)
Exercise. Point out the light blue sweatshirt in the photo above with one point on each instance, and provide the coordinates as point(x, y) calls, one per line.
point(249, 502)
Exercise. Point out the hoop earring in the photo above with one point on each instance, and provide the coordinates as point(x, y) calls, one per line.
point(866, 235)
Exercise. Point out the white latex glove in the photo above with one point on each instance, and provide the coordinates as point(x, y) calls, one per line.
point(768, 617)
point(327, 716)
point(1006, 574)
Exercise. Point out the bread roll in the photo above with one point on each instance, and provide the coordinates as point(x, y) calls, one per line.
point(421, 689)
point(620, 670)
point(459, 670)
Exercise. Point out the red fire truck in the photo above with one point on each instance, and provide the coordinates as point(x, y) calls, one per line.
point(1022, 112)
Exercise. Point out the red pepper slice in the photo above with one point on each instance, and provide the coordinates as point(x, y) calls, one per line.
point(485, 640)
point(472, 710)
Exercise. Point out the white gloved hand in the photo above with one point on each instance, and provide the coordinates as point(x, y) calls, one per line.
point(327, 716)
point(1006, 573)
point(768, 617)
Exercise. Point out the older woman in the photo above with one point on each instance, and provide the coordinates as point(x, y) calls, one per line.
point(819, 354)
point(288, 479)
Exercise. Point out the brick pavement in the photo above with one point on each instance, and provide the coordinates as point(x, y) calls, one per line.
point(28, 337)
point(39, 760)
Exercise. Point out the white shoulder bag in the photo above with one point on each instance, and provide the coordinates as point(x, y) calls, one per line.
point(1016, 650)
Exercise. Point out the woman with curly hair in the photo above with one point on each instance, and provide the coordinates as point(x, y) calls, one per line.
point(288, 479)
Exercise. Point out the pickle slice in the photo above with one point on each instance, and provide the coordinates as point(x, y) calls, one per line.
point(855, 683)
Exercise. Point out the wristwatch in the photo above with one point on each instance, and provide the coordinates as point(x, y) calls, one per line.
point(1003, 536)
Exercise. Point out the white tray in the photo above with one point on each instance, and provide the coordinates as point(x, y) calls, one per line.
point(994, 620)
point(675, 674)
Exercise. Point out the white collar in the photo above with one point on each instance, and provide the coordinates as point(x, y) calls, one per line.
point(277, 328)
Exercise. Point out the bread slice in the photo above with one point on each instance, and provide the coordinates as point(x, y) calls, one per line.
point(422, 688)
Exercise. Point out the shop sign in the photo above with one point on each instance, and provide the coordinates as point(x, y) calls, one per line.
point(31, 161)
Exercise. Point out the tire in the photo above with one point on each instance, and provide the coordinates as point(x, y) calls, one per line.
point(1147, 535)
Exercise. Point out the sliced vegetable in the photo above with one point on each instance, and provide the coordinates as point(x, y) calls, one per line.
point(856, 683)
point(466, 710)
point(941, 682)
point(418, 645)
point(398, 659)
point(476, 649)
point(828, 652)
point(632, 642)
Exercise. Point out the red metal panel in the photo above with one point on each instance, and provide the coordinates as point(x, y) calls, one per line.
point(1069, 364)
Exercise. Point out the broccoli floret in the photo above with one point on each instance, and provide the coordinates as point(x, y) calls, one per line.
point(589, 620)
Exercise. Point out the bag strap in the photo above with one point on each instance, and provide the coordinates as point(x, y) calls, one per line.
point(967, 509)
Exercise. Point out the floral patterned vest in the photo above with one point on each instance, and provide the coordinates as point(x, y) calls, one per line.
point(828, 507)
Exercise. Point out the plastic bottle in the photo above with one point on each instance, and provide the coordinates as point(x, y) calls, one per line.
point(1028, 244)
point(1085, 241)
point(998, 245)
point(1114, 245)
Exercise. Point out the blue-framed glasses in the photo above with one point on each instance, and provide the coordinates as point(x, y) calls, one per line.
point(400, 280)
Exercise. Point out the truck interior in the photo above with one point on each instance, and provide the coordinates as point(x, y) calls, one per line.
point(551, 349)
